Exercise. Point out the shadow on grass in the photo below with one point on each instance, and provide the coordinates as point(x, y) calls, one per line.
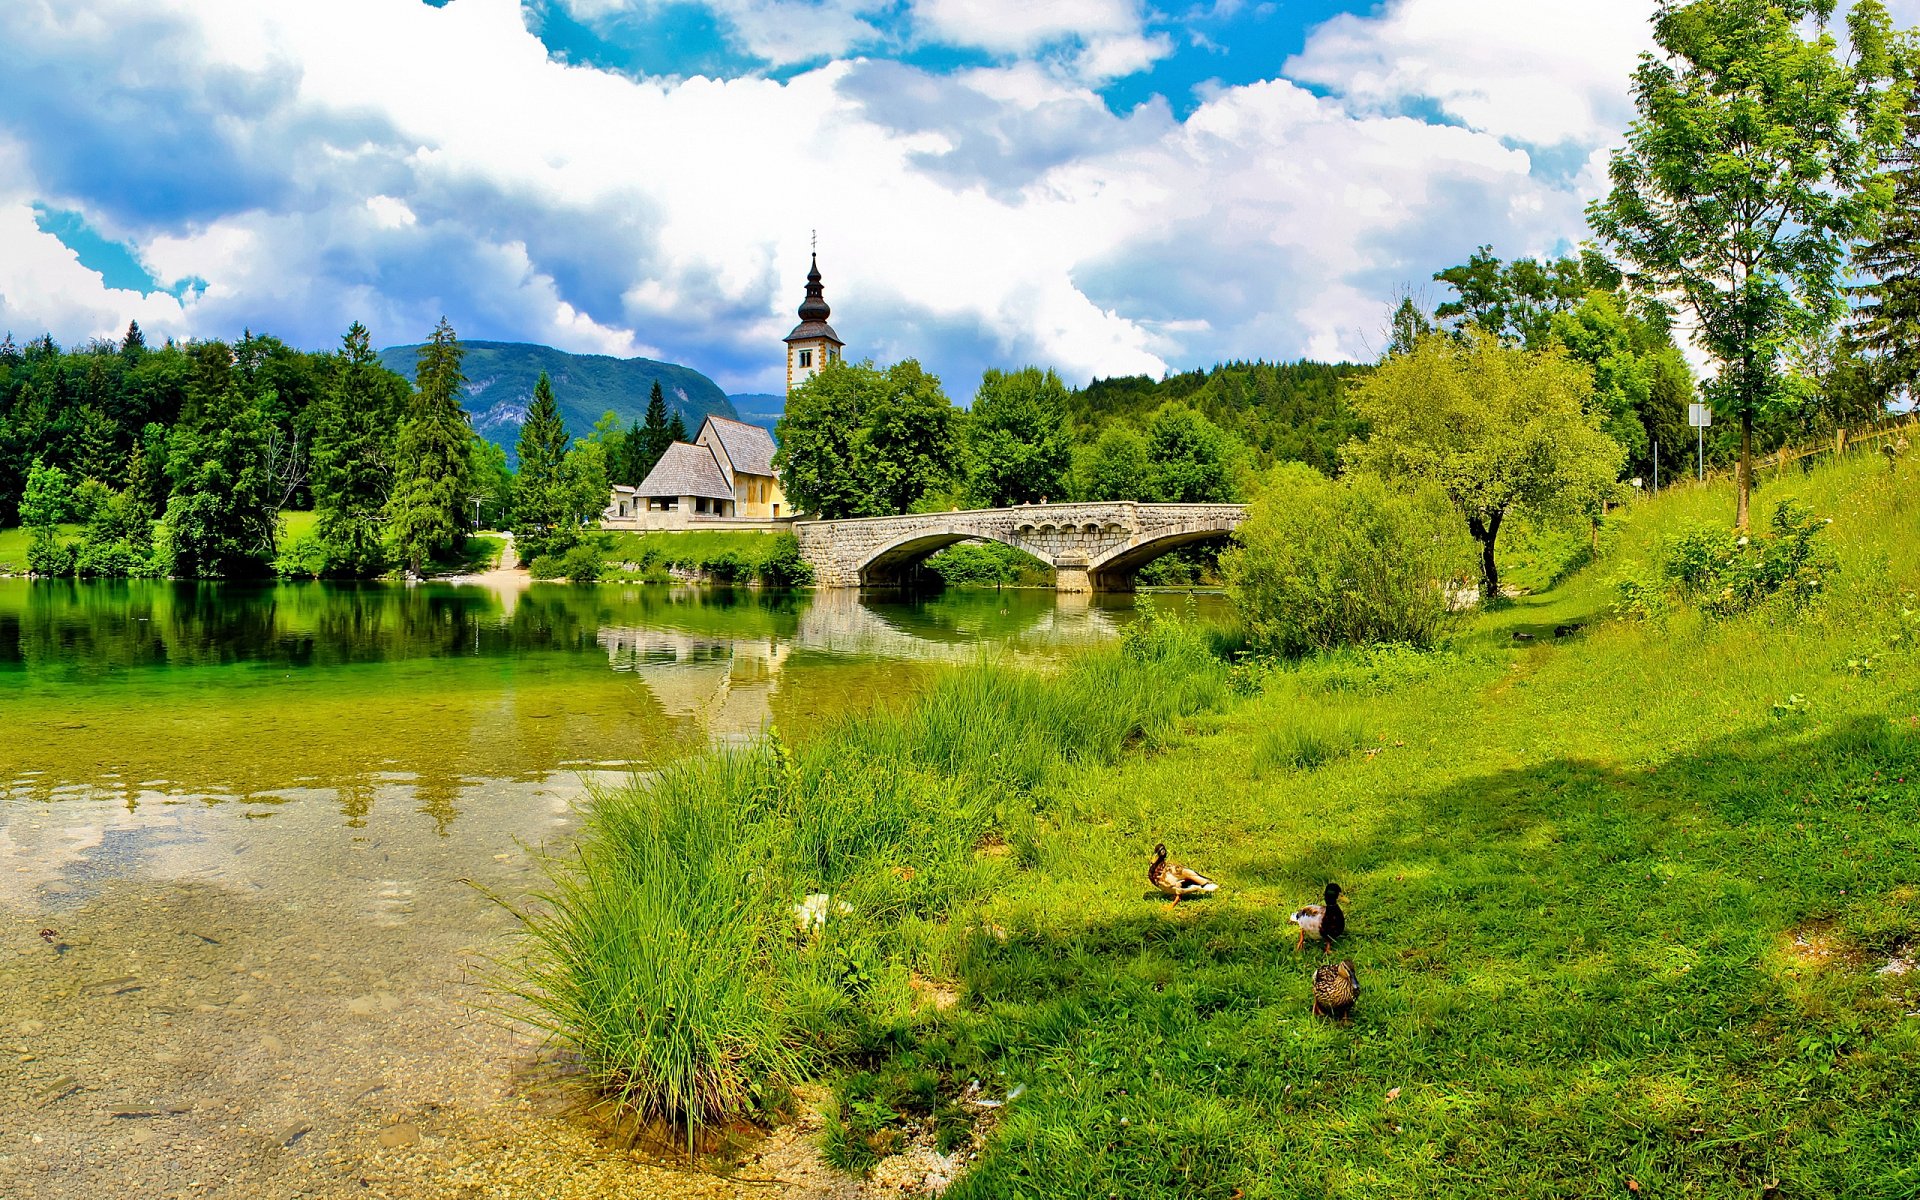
point(1572, 976)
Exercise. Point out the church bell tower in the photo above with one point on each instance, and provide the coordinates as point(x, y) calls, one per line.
point(813, 343)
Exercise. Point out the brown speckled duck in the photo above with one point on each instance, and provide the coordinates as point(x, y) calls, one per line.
point(1174, 879)
point(1335, 987)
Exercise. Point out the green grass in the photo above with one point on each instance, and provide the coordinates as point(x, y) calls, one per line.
point(725, 555)
point(1619, 901)
point(13, 547)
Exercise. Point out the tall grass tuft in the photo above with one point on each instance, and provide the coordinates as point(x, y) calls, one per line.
point(1309, 736)
point(665, 956)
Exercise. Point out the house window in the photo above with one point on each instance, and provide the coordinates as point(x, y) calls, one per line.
point(806, 358)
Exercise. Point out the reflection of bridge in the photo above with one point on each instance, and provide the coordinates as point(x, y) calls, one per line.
point(1091, 547)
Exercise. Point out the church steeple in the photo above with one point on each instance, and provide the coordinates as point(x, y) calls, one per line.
point(813, 343)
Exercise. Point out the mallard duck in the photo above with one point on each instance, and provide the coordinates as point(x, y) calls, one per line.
point(1174, 879)
point(1324, 921)
point(1335, 987)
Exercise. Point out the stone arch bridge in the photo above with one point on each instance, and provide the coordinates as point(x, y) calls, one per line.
point(1091, 547)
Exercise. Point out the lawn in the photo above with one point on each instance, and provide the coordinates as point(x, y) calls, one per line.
point(13, 547)
point(1630, 906)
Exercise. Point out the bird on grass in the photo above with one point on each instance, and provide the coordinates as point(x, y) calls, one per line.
point(1335, 987)
point(1324, 921)
point(1174, 879)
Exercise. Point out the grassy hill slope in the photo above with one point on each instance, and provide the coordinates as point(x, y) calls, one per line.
point(501, 375)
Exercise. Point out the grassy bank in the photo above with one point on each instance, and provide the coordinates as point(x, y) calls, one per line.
point(722, 555)
point(1629, 906)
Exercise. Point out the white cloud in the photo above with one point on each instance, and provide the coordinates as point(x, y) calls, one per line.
point(780, 31)
point(409, 161)
point(1535, 71)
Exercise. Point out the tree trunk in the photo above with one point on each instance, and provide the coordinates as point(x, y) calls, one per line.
point(1745, 473)
point(1486, 533)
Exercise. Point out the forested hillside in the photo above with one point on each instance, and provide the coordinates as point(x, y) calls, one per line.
point(501, 375)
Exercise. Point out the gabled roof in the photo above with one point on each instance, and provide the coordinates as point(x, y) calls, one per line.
point(749, 447)
point(686, 470)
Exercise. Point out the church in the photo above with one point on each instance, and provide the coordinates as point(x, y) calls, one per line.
point(724, 477)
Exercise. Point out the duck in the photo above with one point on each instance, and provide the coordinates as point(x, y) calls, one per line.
point(1174, 879)
point(1335, 987)
point(1324, 921)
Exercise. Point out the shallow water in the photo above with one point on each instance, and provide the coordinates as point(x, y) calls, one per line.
point(248, 838)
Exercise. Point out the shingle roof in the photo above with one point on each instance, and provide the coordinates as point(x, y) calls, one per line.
point(686, 470)
point(806, 330)
point(749, 447)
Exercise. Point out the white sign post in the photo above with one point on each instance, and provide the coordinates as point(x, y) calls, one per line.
point(1700, 416)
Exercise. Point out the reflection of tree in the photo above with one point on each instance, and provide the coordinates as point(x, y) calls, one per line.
point(437, 794)
point(356, 800)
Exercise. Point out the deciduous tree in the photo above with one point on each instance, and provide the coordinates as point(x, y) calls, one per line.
point(1018, 447)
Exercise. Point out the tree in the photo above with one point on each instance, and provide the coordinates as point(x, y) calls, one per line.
point(353, 458)
point(1751, 165)
point(676, 429)
point(1886, 323)
point(1495, 428)
point(491, 481)
point(543, 501)
point(1115, 466)
point(220, 519)
point(857, 441)
point(1017, 440)
point(1406, 327)
point(655, 436)
point(48, 499)
point(1515, 302)
point(135, 343)
point(1641, 383)
point(424, 512)
point(1189, 459)
point(1321, 563)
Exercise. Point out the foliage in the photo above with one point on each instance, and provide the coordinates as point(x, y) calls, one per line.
point(1495, 429)
point(221, 517)
point(1885, 325)
point(426, 511)
point(857, 441)
point(1190, 460)
point(771, 558)
point(1728, 573)
point(1751, 166)
point(1516, 303)
point(1018, 447)
point(353, 458)
point(544, 499)
point(1113, 467)
point(303, 556)
point(1322, 563)
point(48, 499)
point(645, 452)
point(1641, 382)
point(993, 564)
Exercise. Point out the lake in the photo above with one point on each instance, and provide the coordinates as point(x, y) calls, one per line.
point(250, 840)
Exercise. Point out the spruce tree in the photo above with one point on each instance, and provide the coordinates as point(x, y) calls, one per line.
point(543, 503)
point(1886, 323)
point(631, 453)
point(135, 342)
point(351, 454)
point(425, 511)
point(220, 519)
point(655, 436)
point(676, 429)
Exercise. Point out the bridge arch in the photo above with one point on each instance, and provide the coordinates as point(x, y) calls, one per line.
point(889, 564)
point(1113, 569)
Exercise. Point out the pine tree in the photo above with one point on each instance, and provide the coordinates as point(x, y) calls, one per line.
point(351, 454)
point(135, 341)
point(655, 436)
point(220, 516)
point(424, 513)
point(676, 429)
point(1887, 324)
point(543, 503)
point(631, 452)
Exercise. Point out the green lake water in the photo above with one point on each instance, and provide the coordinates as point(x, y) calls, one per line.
point(248, 837)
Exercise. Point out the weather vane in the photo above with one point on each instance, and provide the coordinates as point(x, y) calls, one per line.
point(816, 241)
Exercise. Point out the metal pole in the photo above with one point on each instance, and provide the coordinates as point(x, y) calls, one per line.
point(1656, 466)
point(1703, 454)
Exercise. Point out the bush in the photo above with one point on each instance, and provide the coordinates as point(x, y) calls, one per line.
point(1728, 574)
point(303, 557)
point(581, 563)
point(1322, 563)
point(784, 567)
point(986, 564)
point(1640, 597)
point(48, 555)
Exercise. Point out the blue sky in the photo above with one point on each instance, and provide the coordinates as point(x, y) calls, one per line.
point(1099, 186)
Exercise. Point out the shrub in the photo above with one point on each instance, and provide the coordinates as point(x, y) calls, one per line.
point(986, 564)
point(1638, 596)
point(303, 557)
point(48, 555)
point(1322, 563)
point(1728, 574)
point(783, 566)
point(581, 563)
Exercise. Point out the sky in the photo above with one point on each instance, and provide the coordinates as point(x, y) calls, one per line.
point(1103, 187)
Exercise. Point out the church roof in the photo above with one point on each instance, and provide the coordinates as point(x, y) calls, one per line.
point(814, 311)
point(749, 447)
point(686, 470)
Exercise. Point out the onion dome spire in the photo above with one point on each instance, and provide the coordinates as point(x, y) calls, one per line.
point(814, 307)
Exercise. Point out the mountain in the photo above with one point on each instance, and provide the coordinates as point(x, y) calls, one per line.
point(758, 408)
point(501, 375)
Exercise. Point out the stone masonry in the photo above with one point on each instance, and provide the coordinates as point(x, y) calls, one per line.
point(1091, 547)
